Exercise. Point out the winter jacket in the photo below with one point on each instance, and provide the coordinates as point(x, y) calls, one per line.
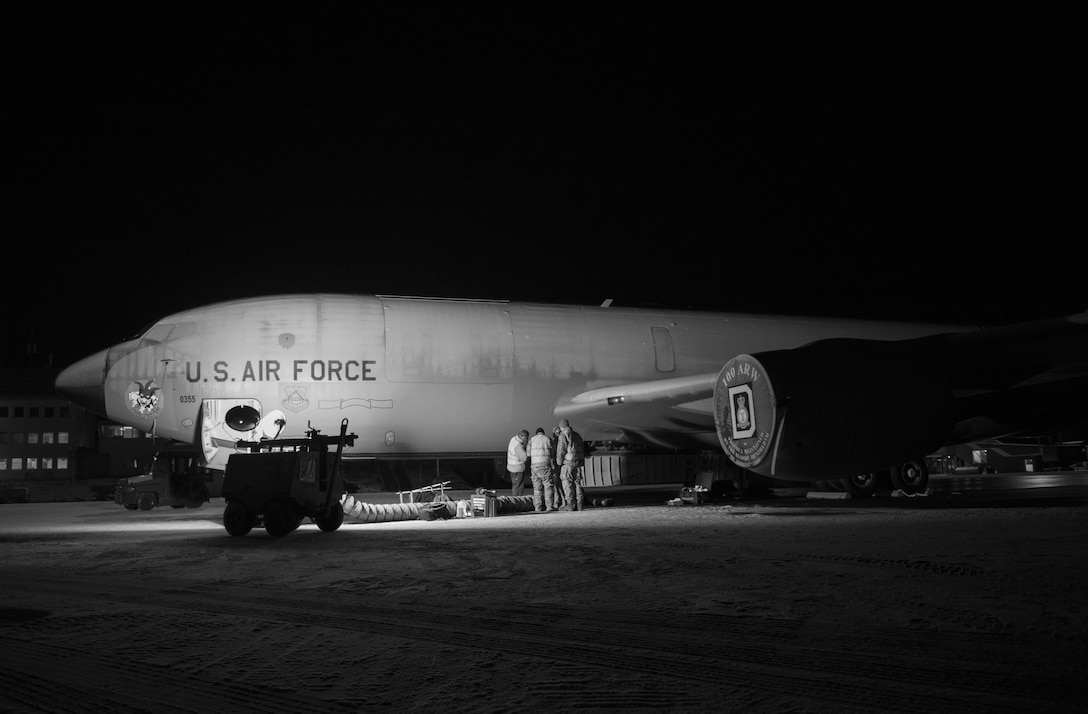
point(540, 450)
point(515, 455)
point(570, 449)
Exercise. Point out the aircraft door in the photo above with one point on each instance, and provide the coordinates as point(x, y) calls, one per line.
point(223, 422)
point(664, 358)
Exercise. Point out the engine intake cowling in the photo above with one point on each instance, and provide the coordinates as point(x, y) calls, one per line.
point(831, 409)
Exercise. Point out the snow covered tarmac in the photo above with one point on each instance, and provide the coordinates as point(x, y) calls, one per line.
point(789, 605)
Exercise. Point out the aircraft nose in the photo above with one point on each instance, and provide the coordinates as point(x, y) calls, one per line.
point(84, 383)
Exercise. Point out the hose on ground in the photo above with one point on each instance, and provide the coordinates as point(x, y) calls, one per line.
point(362, 512)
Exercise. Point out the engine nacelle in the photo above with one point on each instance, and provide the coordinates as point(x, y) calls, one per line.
point(831, 409)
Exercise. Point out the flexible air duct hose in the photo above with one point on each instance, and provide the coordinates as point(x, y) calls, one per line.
point(362, 512)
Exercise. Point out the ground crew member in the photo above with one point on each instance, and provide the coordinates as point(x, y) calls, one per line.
point(558, 501)
point(570, 455)
point(516, 457)
point(541, 458)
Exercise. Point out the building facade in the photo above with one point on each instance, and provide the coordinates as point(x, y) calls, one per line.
point(45, 439)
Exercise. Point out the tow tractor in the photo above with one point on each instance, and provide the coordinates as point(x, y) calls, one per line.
point(278, 482)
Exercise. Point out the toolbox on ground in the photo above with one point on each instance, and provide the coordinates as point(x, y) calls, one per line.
point(693, 495)
point(484, 504)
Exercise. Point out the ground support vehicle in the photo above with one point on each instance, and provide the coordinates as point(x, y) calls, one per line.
point(178, 479)
point(278, 482)
point(14, 494)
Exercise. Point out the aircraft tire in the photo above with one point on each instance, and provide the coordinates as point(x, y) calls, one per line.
point(279, 519)
point(332, 520)
point(911, 477)
point(236, 519)
point(861, 486)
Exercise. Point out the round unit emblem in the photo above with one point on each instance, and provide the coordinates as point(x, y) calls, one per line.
point(744, 410)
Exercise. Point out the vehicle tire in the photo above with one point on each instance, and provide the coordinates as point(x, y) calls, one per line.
point(130, 506)
point(146, 501)
point(332, 520)
point(860, 486)
point(279, 519)
point(237, 519)
point(911, 477)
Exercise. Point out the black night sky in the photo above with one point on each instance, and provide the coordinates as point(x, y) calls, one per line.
point(851, 160)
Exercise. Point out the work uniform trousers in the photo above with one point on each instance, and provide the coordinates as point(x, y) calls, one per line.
point(517, 483)
point(557, 499)
point(572, 476)
point(543, 487)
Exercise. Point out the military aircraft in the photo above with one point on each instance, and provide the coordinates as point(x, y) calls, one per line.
point(787, 398)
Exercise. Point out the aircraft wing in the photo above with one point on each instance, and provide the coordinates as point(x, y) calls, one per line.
point(1018, 355)
point(1030, 378)
point(842, 406)
point(670, 413)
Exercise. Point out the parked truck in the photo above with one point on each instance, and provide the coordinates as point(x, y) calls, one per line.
point(179, 479)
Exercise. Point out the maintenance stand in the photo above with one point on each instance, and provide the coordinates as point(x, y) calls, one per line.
point(281, 481)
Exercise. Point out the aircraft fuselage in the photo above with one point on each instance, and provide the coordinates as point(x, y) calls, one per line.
point(419, 375)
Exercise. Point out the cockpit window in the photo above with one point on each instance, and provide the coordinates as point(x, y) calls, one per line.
point(165, 332)
point(157, 333)
point(182, 329)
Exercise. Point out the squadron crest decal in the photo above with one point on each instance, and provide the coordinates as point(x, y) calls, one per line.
point(294, 398)
point(744, 411)
point(144, 399)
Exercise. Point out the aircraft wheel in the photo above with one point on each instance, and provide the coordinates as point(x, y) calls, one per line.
point(862, 485)
point(279, 519)
point(236, 519)
point(146, 501)
point(911, 477)
point(332, 520)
